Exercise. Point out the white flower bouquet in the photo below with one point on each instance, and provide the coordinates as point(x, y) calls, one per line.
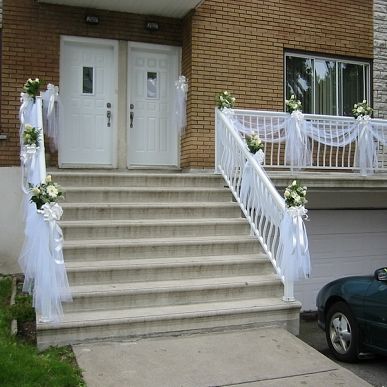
point(293, 104)
point(224, 100)
point(362, 109)
point(254, 143)
point(47, 192)
point(30, 136)
point(295, 195)
point(32, 87)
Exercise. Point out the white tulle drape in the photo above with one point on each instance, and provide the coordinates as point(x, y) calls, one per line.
point(41, 257)
point(296, 132)
point(52, 108)
point(181, 103)
point(294, 257)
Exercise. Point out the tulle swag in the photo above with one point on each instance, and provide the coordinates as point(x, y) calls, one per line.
point(294, 257)
point(181, 103)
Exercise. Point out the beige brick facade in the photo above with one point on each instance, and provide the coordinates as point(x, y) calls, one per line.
point(239, 46)
point(228, 44)
point(31, 48)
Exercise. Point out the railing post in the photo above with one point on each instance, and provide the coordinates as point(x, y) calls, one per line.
point(42, 154)
point(217, 142)
point(288, 290)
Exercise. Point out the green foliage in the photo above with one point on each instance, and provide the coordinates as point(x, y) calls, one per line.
point(254, 143)
point(47, 192)
point(30, 135)
point(362, 109)
point(32, 87)
point(295, 195)
point(293, 104)
point(224, 100)
point(21, 365)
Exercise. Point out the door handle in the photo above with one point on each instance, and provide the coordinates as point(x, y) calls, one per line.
point(109, 116)
point(131, 116)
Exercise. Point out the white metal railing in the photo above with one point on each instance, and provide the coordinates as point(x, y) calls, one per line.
point(263, 207)
point(326, 142)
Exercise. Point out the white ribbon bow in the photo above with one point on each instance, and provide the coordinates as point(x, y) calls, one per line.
point(52, 212)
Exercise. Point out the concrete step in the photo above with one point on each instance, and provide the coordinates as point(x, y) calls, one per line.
point(163, 269)
point(118, 249)
point(145, 195)
point(175, 292)
point(136, 229)
point(130, 179)
point(117, 211)
point(177, 319)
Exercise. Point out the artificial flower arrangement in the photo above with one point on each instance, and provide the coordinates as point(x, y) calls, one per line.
point(224, 100)
point(32, 87)
point(30, 136)
point(293, 104)
point(295, 195)
point(254, 143)
point(47, 192)
point(362, 109)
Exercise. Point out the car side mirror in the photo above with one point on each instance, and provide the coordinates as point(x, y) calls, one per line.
point(381, 274)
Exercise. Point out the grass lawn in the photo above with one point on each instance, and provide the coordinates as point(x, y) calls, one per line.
point(21, 365)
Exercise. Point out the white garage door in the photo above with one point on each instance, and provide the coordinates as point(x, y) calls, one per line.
point(342, 243)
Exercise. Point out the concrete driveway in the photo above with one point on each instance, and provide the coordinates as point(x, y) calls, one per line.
point(256, 357)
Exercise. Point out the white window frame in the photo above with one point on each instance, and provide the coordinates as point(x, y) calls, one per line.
point(366, 77)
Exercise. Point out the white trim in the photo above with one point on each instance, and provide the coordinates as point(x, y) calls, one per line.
point(173, 50)
point(98, 42)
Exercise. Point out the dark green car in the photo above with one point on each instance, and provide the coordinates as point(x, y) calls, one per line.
point(353, 313)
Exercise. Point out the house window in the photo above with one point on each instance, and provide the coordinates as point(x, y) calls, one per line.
point(151, 85)
point(87, 80)
point(326, 85)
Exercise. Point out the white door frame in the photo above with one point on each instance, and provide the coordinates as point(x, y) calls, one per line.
point(98, 42)
point(159, 48)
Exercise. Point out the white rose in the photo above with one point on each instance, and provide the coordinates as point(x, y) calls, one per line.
point(28, 127)
point(294, 183)
point(287, 194)
point(48, 179)
point(364, 101)
point(35, 191)
point(52, 191)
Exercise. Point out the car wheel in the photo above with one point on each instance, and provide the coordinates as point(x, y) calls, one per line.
point(342, 333)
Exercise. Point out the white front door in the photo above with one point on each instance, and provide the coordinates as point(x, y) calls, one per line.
point(87, 85)
point(152, 132)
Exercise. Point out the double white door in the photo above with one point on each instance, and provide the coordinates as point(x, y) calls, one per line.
point(91, 81)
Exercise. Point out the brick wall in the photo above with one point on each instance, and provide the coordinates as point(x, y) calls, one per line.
point(380, 58)
point(31, 45)
point(239, 46)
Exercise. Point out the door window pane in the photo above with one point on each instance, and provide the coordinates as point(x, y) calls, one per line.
point(151, 85)
point(88, 80)
point(352, 86)
point(299, 77)
point(325, 84)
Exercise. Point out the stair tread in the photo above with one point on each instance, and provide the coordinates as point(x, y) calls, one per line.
point(117, 316)
point(151, 222)
point(146, 189)
point(164, 262)
point(172, 285)
point(191, 240)
point(148, 205)
point(74, 173)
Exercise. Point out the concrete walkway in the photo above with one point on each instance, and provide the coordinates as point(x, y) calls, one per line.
point(257, 357)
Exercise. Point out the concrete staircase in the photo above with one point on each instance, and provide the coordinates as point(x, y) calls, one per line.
point(160, 253)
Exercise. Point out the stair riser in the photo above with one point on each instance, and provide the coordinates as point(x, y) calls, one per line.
point(168, 273)
point(118, 213)
point(116, 196)
point(139, 251)
point(155, 231)
point(139, 181)
point(164, 297)
point(288, 319)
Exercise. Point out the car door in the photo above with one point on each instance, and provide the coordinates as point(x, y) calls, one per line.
point(375, 314)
